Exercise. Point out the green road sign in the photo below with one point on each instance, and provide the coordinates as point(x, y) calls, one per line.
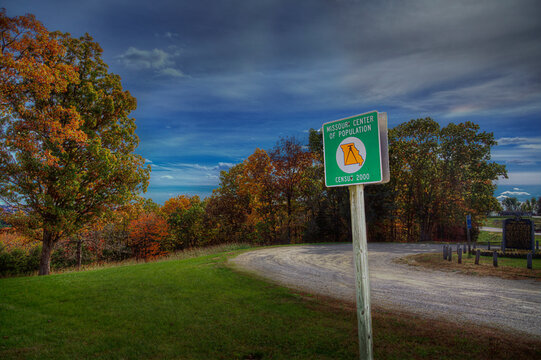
point(355, 150)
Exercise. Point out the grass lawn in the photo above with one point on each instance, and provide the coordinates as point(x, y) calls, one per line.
point(497, 221)
point(508, 268)
point(200, 308)
point(495, 238)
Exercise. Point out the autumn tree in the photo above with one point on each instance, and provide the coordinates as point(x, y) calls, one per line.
point(290, 162)
point(438, 176)
point(329, 206)
point(66, 139)
point(468, 173)
point(187, 225)
point(177, 203)
point(146, 236)
point(228, 208)
point(258, 182)
point(416, 145)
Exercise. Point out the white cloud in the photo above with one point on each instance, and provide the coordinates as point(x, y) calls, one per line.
point(531, 146)
point(158, 60)
point(225, 165)
point(186, 174)
point(511, 140)
point(514, 193)
point(171, 72)
point(145, 59)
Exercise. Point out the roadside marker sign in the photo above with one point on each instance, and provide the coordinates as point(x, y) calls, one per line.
point(355, 151)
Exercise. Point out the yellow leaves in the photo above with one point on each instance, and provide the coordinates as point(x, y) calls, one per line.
point(181, 202)
point(30, 71)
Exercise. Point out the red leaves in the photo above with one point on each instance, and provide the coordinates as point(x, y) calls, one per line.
point(146, 235)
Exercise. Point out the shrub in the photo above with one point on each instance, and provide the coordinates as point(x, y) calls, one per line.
point(17, 261)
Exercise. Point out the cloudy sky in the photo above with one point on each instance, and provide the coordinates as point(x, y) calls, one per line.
point(215, 79)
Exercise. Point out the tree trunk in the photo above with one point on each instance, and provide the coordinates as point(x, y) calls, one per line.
point(426, 230)
point(289, 219)
point(46, 251)
point(79, 253)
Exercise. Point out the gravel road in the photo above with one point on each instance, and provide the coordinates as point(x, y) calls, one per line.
point(328, 270)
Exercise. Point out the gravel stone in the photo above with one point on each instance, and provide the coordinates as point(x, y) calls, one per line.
point(513, 305)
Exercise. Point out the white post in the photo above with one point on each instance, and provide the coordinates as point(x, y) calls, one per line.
point(362, 281)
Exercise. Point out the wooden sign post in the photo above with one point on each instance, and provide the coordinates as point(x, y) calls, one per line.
point(356, 153)
point(362, 280)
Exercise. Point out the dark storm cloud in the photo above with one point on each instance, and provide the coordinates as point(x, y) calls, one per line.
point(450, 58)
point(455, 58)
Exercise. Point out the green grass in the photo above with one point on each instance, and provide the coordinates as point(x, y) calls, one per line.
point(200, 308)
point(504, 262)
point(187, 309)
point(495, 238)
point(497, 221)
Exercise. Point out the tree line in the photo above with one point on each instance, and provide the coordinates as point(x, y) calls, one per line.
point(438, 176)
point(511, 205)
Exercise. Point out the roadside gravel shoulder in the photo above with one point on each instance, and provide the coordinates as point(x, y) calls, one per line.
point(328, 270)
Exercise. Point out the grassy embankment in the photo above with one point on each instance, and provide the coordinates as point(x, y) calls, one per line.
point(201, 309)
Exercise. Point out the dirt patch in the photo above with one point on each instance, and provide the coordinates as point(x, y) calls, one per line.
point(468, 267)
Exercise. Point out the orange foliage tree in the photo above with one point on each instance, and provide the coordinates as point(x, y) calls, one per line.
point(178, 203)
point(146, 236)
point(258, 182)
point(66, 141)
point(291, 162)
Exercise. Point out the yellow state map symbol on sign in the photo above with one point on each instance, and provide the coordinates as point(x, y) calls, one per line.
point(351, 154)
